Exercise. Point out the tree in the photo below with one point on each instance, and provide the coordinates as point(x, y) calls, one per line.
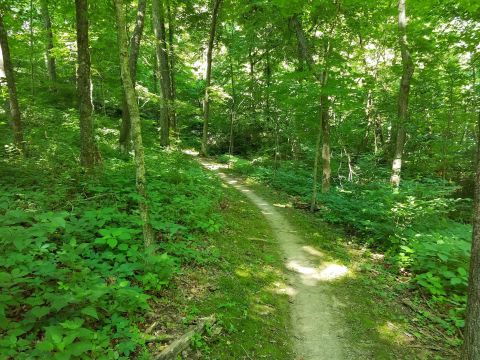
point(323, 136)
point(131, 100)
point(136, 38)
point(6, 71)
point(164, 66)
point(403, 95)
point(208, 75)
point(471, 348)
point(49, 56)
point(88, 150)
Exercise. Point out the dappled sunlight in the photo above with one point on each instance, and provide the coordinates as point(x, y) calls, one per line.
point(311, 275)
point(392, 332)
point(287, 205)
point(262, 309)
point(312, 251)
point(190, 152)
point(243, 272)
point(281, 288)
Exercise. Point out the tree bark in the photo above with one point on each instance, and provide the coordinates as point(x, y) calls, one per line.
point(208, 76)
point(471, 345)
point(171, 56)
point(88, 150)
point(6, 71)
point(131, 100)
point(233, 105)
point(50, 58)
point(403, 96)
point(162, 58)
point(125, 128)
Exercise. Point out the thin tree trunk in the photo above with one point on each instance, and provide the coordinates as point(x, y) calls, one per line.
point(125, 128)
point(323, 137)
point(208, 76)
point(326, 166)
point(88, 150)
point(6, 71)
point(164, 65)
point(155, 85)
point(32, 65)
point(171, 57)
point(131, 100)
point(50, 58)
point(403, 97)
point(233, 106)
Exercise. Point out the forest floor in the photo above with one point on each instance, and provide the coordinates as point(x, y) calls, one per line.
point(340, 305)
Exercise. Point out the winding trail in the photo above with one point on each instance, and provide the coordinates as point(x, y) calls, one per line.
point(317, 332)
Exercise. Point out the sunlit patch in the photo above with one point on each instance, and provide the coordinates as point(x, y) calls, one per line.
point(262, 309)
point(266, 213)
point(245, 190)
point(283, 289)
point(190, 152)
point(312, 251)
point(393, 333)
point(378, 257)
point(333, 271)
point(310, 275)
point(287, 205)
point(243, 273)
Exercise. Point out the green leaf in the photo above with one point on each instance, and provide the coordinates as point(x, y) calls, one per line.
point(79, 348)
point(73, 324)
point(90, 311)
point(40, 311)
point(45, 346)
point(112, 242)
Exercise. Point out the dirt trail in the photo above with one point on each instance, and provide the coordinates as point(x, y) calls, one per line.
point(317, 333)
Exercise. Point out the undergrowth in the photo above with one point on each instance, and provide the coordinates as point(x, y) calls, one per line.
point(423, 229)
point(76, 280)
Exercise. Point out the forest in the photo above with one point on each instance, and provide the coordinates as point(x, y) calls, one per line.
point(257, 179)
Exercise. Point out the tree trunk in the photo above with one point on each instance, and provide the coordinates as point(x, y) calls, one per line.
point(323, 143)
point(88, 150)
point(233, 106)
point(471, 345)
point(50, 58)
point(323, 137)
point(208, 76)
point(6, 71)
point(131, 100)
point(32, 64)
point(325, 116)
point(125, 128)
point(403, 96)
point(171, 56)
point(162, 57)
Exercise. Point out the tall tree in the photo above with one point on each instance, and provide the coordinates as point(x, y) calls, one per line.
point(49, 56)
point(171, 56)
point(135, 40)
point(6, 71)
point(403, 95)
point(164, 66)
point(131, 100)
point(88, 149)
point(208, 75)
point(323, 136)
point(471, 348)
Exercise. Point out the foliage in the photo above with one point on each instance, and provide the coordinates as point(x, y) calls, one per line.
point(76, 279)
point(420, 227)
